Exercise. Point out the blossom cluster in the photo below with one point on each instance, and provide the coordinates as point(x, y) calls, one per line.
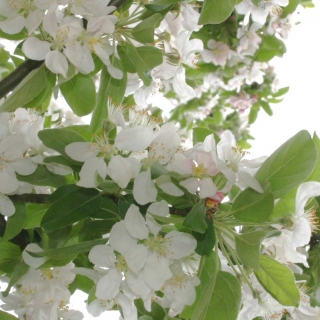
point(42, 294)
point(21, 152)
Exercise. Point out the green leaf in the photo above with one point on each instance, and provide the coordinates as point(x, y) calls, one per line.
point(216, 11)
point(35, 212)
point(69, 252)
point(254, 111)
point(10, 255)
point(252, 206)
point(82, 283)
point(248, 248)
point(281, 92)
point(17, 36)
point(110, 88)
point(205, 241)
point(141, 59)
point(199, 134)
point(269, 48)
point(289, 165)
point(58, 139)
point(80, 94)
point(266, 107)
point(108, 210)
point(7, 316)
point(18, 272)
point(72, 207)
point(43, 177)
point(315, 175)
point(279, 281)
point(16, 222)
point(161, 5)
point(27, 90)
point(195, 220)
point(218, 295)
point(144, 31)
point(284, 206)
point(41, 100)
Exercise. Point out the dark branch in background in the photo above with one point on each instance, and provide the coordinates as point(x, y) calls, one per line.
point(15, 77)
point(30, 198)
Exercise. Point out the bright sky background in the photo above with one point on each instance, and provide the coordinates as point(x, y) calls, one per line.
point(300, 69)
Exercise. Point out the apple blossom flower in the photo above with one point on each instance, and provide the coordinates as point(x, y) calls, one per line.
point(19, 15)
point(93, 155)
point(229, 159)
point(218, 54)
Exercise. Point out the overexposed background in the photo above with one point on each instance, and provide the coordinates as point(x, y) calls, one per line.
point(299, 69)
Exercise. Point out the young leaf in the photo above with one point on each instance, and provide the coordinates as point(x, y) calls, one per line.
point(18, 272)
point(252, 206)
point(109, 88)
point(70, 252)
point(248, 248)
point(16, 222)
point(9, 257)
point(195, 220)
point(279, 281)
point(43, 177)
point(218, 295)
point(27, 90)
point(289, 165)
point(205, 241)
point(141, 59)
point(80, 94)
point(144, 31)
point(35, 212)
point(199, 134)
point(72, 207)
point(216, 11)
point(7, 316)
point(58, 139)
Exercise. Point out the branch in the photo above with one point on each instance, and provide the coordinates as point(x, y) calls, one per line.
point(30, 198)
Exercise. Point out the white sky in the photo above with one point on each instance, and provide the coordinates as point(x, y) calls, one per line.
point(300, 69)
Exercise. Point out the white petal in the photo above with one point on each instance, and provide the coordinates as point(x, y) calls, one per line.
point(9, 182)
point(137, 284)
point(6, 206)
point(191, 184)
point(306, 191)
point(122, 170)
point(24, 166)
point(36, 49)
point(135, 223)
point(181, 244)
point(207, 188)
point(108, 286)
point(81, 151)
point(159, 208)
point(102, 256)
point(144, 190)
point(301, 233)
point(119, 239)
point(156, 271)
point(56, 62)
point(134, 139)
point(89, 170)
point(136, 257)
point(13, 25)
point(30, 260)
